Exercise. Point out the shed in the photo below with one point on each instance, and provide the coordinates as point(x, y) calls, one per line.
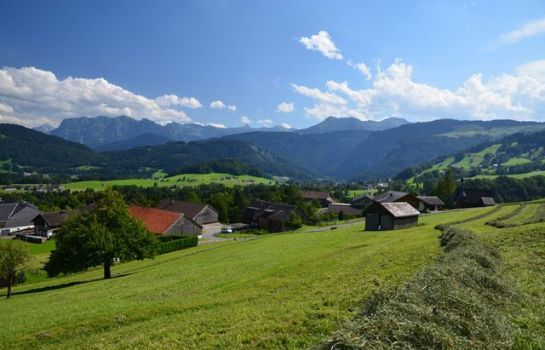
point(390, 216)
point(362, 202)
point(323, 198)
point(345, 208)
point(397, 196)
point(432, 203)
point(471, 198)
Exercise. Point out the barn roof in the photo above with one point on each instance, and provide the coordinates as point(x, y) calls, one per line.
point(55, 219)
point(431, 200)
point(155, 220)
point(488, 201)
point(360, 198)
point(189, 209)
point(389, 196)
point(400, 209)
point(23, 217)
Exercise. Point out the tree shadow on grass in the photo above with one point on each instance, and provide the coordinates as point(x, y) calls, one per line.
point(65, 285)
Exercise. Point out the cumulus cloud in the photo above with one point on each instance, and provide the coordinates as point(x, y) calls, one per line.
point(363, 68)
point(32, 96)
point(393, 92)
point(173, 100)
point(218, 104)
point(245, 120)
point(265, 122)
point(285, 126)
point(323, 43)
point(314, 93)
point(285, 107)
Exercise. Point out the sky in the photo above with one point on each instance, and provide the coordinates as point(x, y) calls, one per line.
point(265, 63)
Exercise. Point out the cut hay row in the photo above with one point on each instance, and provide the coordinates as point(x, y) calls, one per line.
point(456, 303)
point(502, 221)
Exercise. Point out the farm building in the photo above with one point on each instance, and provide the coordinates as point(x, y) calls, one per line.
point(164, 222)
point(390, 216)
point(271, 216)
point(472, 198)
point(431, 203)
point(48, 224)
point(16, 217)
point(200, 213)
point(397, 196)
point(323, 198)
point(362, 202)
point(345, 208)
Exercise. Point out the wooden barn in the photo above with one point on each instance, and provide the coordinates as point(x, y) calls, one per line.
point(390, 216)
point(431, 203)
point(472, 198)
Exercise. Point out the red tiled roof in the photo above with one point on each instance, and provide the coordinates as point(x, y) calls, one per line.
point(155, 220)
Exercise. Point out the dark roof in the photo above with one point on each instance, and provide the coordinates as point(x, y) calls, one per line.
point(389, 196)
point(8, 210)
point(344, 207)
point(431, 200)
point(400, 209)
point(276, 211)
point(189, 209)
point(315, 195)
point(54, 219)
point(470, 195)
point(360, 198)
point(23, 217)
point(156, 220)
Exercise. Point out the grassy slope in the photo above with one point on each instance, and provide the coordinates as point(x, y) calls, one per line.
point(288, 290)
point(178, 180)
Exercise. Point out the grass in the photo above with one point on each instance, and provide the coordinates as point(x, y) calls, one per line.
point(516, 161)
point(516, 176)
point(181, 180)
point(357, 193)
point(278, 291)
point(474, 159)
point(236, 235)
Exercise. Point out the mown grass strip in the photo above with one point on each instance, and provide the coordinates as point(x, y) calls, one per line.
point(457, 303)
point(501, 221)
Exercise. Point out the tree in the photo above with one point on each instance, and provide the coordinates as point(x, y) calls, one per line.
point(446, 185)
point(14, 260)
point(100, 236)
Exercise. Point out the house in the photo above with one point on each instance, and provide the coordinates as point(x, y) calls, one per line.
point(390, 216)
point(48, 224)
point(362, 202)
point(164, 222)
point(471, 198)
point(345, 208)
point(200, 213)
point(271, 216)
point(323, 198)
point(397, 196)
point(431, 203)
point(16, 217)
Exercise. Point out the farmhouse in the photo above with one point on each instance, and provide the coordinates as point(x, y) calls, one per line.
point(345, 208)
point(164, 222)
point(390, 216)
point(16, 217)
point(397, 196)
point(431, 203)
point(323, 198)
point(471, 198)
point(271, 216)
point(48, 224)
point(200, 213)
point(362, 202)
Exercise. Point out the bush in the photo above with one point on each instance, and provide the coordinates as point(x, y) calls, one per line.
point(177, 243)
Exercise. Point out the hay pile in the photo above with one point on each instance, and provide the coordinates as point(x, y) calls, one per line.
point(456, 303)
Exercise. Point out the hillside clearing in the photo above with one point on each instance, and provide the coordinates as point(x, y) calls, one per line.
point(286, 290)
point(181, 180)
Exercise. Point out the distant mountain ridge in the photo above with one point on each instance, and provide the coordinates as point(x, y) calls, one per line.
point(339, 124)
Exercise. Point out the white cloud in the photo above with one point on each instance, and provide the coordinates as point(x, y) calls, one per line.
point(217, 125)
point(36, 96)
point(363, 68)
point(528, 29)
point(285, 107)
point(173, 100)
point(286, 126)
point(314, 93)
point(323, 43)
point(393, 92)
point(218, 104)
point(245, 120)
point(265, 122)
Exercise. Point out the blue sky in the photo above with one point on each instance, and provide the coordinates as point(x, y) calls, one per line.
point(271, 62)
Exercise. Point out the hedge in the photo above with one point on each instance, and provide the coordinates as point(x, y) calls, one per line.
point(177, 243)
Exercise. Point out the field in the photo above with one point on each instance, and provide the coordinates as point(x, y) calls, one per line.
point(181, 180)
point(289, 290)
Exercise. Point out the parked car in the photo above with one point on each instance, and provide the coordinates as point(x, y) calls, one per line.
point(226, 229)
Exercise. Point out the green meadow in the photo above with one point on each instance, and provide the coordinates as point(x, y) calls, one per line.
point(290, 290)
point(181, 180)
